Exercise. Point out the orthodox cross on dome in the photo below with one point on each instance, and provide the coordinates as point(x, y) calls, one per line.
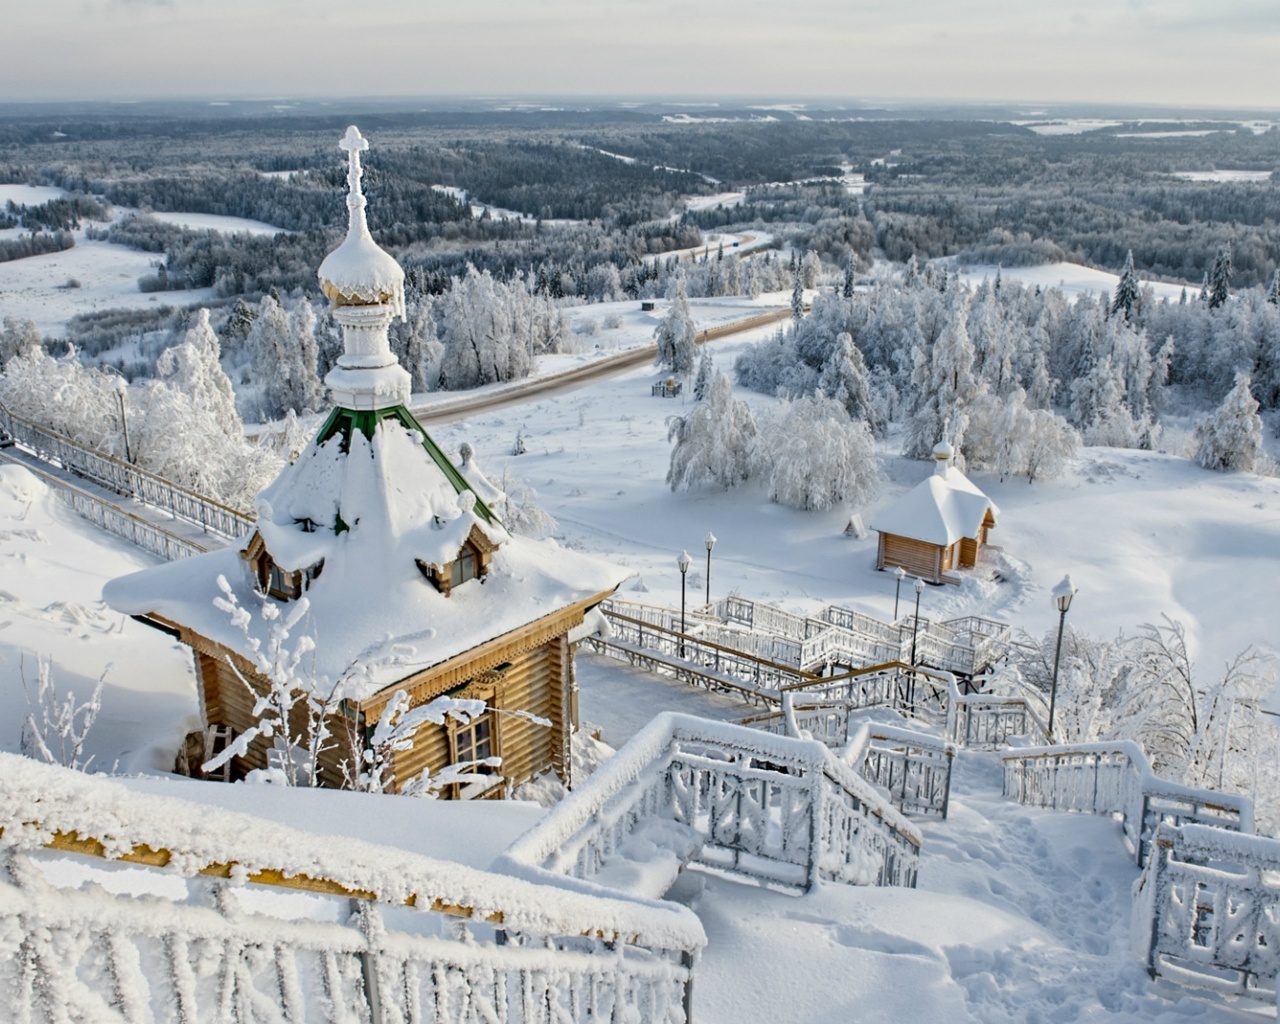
point(353, 142)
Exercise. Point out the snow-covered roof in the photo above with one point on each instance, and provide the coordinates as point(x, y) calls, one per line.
point(941, 509)
point(370, 507)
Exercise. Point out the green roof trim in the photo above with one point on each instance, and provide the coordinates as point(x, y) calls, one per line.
point(344, 421)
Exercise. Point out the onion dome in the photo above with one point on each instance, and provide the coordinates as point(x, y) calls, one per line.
point(359, 272)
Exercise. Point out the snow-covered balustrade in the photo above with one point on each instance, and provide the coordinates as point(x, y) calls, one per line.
point(1207, 909)
point(913, 768)
point(693, 657)
point(123, 478)
point(987, 722)
point(657, 615)
point(966, 646)
point(121, 906)
point(784, 811)
point(919, 693)
point(125, 524)
point(1116, 778)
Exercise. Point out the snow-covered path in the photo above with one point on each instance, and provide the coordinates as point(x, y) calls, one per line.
point(1021, 915)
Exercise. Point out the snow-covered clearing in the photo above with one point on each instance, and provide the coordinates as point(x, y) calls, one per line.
point(29, 195)
point(1071, 279)
point(1223, 176)
point(217, 222)
point(36, 288)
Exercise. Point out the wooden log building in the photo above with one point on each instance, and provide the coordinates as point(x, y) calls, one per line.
point(938, 526)
point(410, 581)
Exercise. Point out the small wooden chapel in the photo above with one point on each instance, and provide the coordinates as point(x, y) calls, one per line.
point(939, 525)
point(404, 577)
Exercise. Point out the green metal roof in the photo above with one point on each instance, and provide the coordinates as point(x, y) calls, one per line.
point(344, 421)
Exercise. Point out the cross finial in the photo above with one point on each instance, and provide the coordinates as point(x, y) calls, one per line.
point(353, 142)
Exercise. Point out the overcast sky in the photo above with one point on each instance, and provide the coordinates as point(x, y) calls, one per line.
point(1180, 52)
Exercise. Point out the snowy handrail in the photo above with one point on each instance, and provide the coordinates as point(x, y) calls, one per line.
point(1209, 902)
point(123, 478)
point(783, 810)
point(48, 806)
point(1116, 778)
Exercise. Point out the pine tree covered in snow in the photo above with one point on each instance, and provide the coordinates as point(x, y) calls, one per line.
point(1128, 291)
point(815, 457)
point(676, 333)
point(1273, 292)
point(1219, 283)
point(713, 442)
point(283, 352)
point(946, 387)
point(797, 301)
point(1230, 438)
point(844, 378)
point(706, 375)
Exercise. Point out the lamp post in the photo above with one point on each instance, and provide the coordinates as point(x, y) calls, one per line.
point(122, 388)
point(915, 623)
point(710, 543)
point(1062, 595)
point(899, 574)
point(683, 563)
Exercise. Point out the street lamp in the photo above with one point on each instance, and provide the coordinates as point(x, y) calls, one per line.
point(915, 623)
point(1062, 595)
point(122, 388)
point(710, 543)
point(899, 574)
point(683, 563)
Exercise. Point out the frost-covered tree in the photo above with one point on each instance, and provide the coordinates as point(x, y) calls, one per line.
point(1128, 298)
point(194, 368)
point(676, 333)
point(713, 442)
point(1273, 292)
point(946, 387)
point(1219, 283)
point(845, 379)
point(706, 375)
point(814, 457)
point(1230, 438)
point(846, 290)
point(810, 270)
point(17, 337)
point(283, 357)
point(797, 300)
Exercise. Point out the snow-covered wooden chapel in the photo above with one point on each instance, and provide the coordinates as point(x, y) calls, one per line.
point(392, 572)
point(939, 525)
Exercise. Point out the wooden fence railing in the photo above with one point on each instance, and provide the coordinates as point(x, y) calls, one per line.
point(233, 918)
point(771, 808)
point(1116, 778)
point(123, 478)
point(1213, 902)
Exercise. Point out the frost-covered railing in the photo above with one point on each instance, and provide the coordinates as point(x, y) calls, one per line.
point(914, 768)
point(1116, 778)
point(665, 649)
point(135, 529)
point(223, 916)
point(657, 615)
point(1207, 909)
point(966, 646)
point(919, 693)
point(986, 722)
point(686, 790)
point(123, 478)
